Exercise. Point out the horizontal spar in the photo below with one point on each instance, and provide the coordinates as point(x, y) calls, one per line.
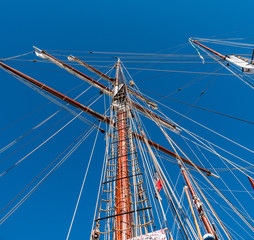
point(172, 154)
point(57, 94)
point(42, 54)
point(112, 80)
point(92, 69)
point(209, 49)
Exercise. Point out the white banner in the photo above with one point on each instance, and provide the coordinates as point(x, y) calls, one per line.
point(158, 235)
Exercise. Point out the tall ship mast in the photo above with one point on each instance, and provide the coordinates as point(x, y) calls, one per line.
point(137, 198)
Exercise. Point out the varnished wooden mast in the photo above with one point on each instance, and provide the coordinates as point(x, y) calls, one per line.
point(57, 94)
point(123, 207)
point(209, 49)
point(198, 204)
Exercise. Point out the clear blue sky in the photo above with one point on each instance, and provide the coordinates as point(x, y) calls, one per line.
point(109, 26)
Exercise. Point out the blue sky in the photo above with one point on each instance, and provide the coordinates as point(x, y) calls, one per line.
point(108, 26)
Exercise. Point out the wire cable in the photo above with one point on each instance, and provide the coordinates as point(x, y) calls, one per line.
point(82, 186)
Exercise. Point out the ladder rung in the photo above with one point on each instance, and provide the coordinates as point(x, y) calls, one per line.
point(119, 214)
point(123, 178)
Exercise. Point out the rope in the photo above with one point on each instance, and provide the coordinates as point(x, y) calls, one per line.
point(78, 138)
point(175, 71)
point(198, 107)
point(229, 203)
point(168, 196)
point(21, 55)
point(22, 159)
point(203, 60)
point(82, 186)
point(222, 196)
point(227, 43)
point(224, 209)
point(30, 131)
point(107, 61)
point(209, 129)
point(44, 178)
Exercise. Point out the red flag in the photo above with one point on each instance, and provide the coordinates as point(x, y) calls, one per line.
point(157, 181)
point(251, 182)
point(159, 185)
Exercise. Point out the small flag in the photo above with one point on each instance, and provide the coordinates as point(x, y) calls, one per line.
point(157, 181)
point(251, 182)
point(159, 185)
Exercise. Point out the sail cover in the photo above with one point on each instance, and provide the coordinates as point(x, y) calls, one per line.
point(157, 235)
point(241, 62)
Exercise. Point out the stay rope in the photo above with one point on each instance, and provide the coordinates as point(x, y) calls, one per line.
point(83, 183)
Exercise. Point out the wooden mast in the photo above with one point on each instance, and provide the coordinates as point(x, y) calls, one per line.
point(198, 204)
point(123, 224)
point(209, 49)
point(123, 206)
